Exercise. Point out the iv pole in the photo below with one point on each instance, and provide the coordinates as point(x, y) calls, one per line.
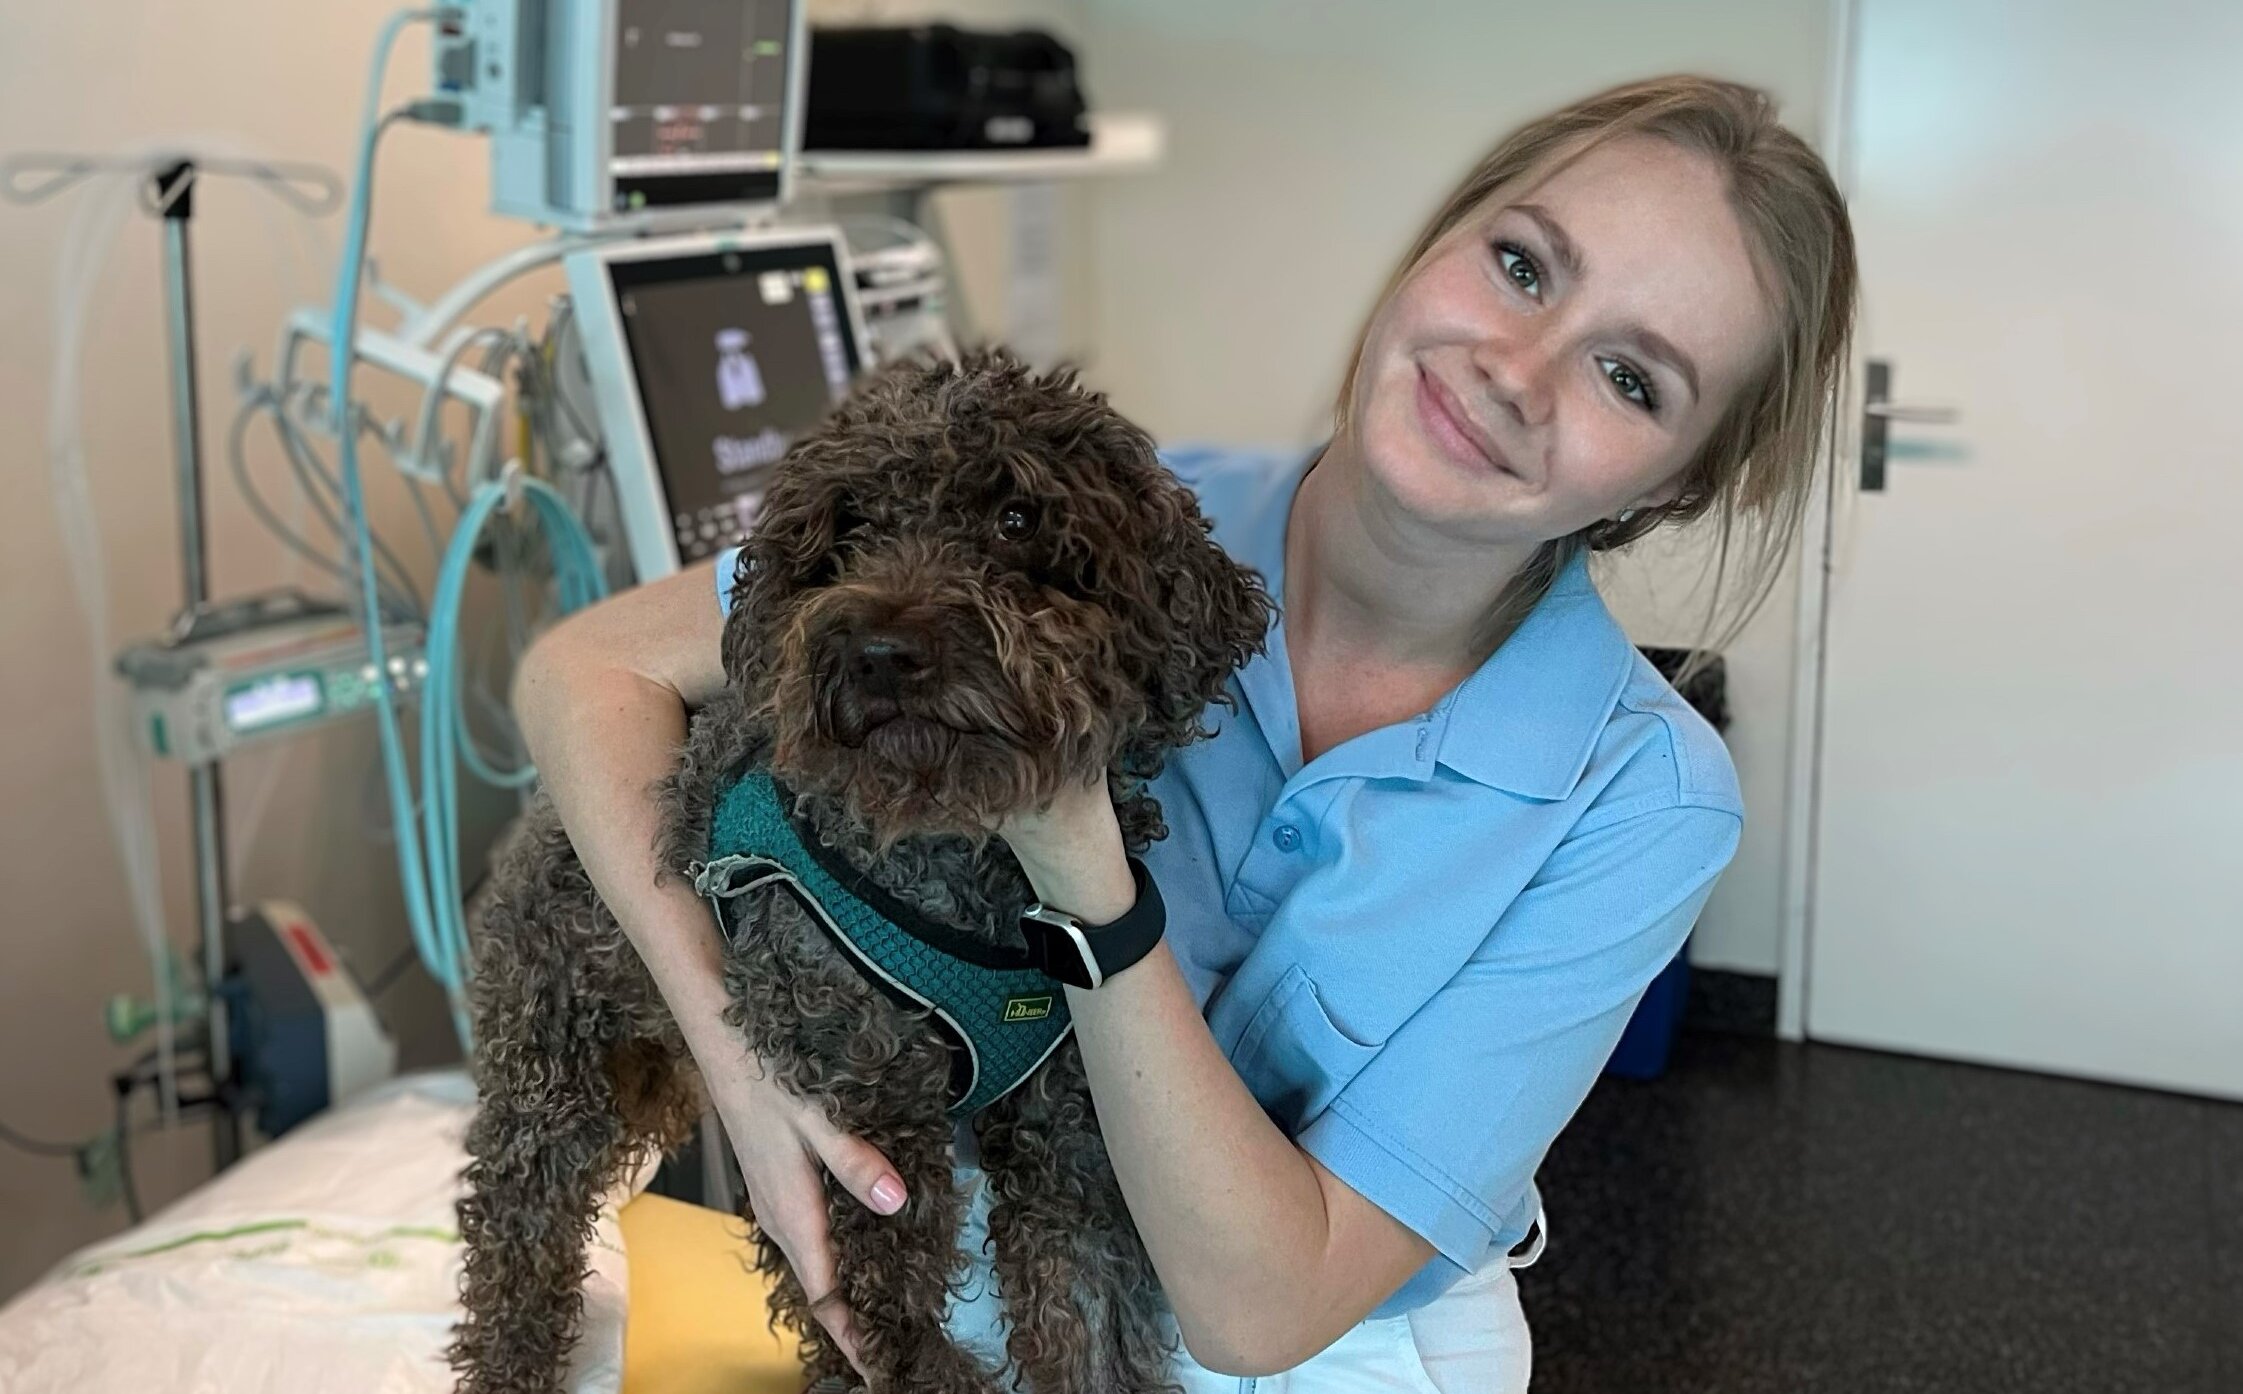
point(175, 194)
point(170, 195)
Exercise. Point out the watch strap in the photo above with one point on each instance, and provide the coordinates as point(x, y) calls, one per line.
point(1084, 956)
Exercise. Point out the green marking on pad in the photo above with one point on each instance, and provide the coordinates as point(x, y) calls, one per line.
point(305, 1227)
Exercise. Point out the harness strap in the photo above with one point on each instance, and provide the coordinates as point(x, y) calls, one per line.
point(728, 878)
point(1000, 1014)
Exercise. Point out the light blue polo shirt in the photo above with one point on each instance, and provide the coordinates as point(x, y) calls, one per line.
point(1420, 949)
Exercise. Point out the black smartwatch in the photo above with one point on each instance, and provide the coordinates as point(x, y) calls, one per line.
point(1082, 955)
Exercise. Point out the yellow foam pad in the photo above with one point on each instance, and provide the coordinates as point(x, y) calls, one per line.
point(699, 1318)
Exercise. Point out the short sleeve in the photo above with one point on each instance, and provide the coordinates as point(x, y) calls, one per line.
point(1444, 1126)
point(728, 565)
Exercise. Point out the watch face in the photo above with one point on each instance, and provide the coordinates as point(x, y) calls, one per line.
point(1062, 950)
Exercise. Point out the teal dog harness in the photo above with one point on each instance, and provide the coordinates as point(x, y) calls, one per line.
point(1000, 1016)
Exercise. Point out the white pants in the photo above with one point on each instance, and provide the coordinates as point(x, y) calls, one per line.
point(1471, 1339)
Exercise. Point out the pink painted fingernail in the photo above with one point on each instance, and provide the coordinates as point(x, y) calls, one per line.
point(887, 1195)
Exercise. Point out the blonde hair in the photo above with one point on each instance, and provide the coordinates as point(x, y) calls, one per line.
point(1756, 470)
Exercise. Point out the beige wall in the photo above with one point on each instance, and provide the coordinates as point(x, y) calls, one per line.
point(1307, 141)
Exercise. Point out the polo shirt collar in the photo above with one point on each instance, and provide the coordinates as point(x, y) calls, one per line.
point(1526, 721)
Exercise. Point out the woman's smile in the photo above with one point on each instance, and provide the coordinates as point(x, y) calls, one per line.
point(1447, 424)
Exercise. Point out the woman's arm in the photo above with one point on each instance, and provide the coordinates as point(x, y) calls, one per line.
point(602, 701)
point(1265, 1268)
point(1265, 1256)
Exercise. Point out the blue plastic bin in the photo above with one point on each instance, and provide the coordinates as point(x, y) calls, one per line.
point(1649, 1039)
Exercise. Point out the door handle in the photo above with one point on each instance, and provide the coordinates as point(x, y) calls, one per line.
point(1914, 416)
point(1878, 411)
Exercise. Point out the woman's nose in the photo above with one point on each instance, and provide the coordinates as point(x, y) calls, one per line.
point(1516, 374)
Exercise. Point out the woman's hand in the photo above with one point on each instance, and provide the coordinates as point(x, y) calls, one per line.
point(1072, 851)
point(1080, 818)
point(782, 1144)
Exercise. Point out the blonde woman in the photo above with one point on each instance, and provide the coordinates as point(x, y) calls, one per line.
point(1418, 880)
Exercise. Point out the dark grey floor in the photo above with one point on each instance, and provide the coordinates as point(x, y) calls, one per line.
point(1804, 1219)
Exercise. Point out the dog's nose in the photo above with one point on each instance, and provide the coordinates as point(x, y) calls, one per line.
point(885, 661)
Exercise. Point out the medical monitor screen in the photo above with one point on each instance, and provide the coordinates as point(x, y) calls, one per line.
point(699, 108)
point(735, 354)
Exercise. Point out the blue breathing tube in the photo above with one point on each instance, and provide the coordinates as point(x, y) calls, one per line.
point(428, 856)
point(577, 574)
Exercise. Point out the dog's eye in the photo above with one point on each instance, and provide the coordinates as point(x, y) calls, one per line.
point(1016, 522)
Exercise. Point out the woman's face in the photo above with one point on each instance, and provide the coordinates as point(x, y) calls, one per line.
point(1554, 361)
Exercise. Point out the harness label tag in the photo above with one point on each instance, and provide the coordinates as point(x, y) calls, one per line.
point(1027, 1008)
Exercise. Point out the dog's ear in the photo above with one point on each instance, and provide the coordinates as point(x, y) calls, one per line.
point(1211, 616)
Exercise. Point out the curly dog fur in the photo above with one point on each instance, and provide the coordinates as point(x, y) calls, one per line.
point(1048, 604)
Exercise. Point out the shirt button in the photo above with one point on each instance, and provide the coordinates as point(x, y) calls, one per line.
point(1287, 838)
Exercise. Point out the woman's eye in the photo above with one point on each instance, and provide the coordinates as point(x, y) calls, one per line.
point(1630, 383)
point(1520, 268)
point(1016, 522)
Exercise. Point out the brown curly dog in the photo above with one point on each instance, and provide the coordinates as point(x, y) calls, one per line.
point(970, 584)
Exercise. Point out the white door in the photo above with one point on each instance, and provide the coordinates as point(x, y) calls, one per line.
point(2031, 838)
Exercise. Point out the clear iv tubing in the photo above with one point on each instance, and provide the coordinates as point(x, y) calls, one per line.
point(119, 766)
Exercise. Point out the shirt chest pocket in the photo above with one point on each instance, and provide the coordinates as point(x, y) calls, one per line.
point(1291, 1056)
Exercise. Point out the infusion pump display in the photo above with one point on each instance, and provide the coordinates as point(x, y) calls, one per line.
point(698, 106)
